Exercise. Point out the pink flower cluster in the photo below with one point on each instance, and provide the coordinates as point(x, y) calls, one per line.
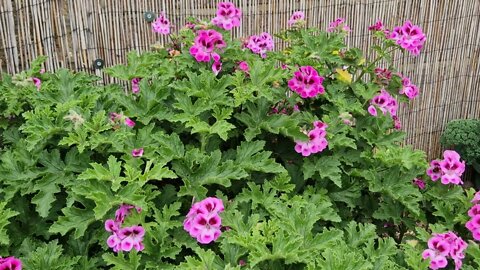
point(161, 25)
point(378, 26)
point(306, 82)
point(126, 238)
point(408, 89)
point(228, 16)
point(10, 263)
point(409, 36)
point(203, 222)
point(449, 170)
point(136, 85)
point(338, 24)
point(317, 141)
point(260, 44)
point(382, 75)
point(385, 102)
point(444, 245)
point(205, 45)
point(118, 117)
point(473, 225)
point(297, 16)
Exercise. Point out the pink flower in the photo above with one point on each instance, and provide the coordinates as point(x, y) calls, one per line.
point(137, 152)
point(37, 82)
point(338, 24)
point(296, 17)
point(452, 168)
point(372, 110)
point(131, 237)
point(10, 263)
point(474, 223)
point(383, 75)
point(115, 117)
point(260, 44)
point(396, 122)
point(419, 183)
point(475, 210)
point(306, 82)
point(203, 221)
point(124, 238)
point(317, 141)
point(161, 25)
point(442, 246)
point(129, 122)
point(385, 102)
point(205, 45)
point(216, 67)
point(434, 170)
point(136, 85)
point(228, 16)
point(243, 66)
point(410, 37)
point(111, 225)
point(410, 90)
point(378, 26)
point(123, 211)
point(476, 197)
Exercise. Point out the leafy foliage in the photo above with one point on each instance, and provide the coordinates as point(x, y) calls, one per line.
point(66, 164)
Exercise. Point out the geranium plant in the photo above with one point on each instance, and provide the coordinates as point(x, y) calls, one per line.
point(221, 154)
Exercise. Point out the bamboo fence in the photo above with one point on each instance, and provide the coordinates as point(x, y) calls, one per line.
point(73, 33)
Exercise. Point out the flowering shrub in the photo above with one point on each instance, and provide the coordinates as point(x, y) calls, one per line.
point(220, 154)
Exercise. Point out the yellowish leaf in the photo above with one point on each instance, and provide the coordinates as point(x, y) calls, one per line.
point(344, 76)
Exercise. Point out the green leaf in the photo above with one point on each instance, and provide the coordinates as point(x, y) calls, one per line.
point(251, 157)
point(158, 172)
point(119, 261)
point(5, 215)
point(99, 172)
point(197, 170)
point(49, 257)
point(73, 219)
point(328, 167)
point(47, 186)
point(358, 234)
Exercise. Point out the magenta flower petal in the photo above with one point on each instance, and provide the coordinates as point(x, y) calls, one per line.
point(137, 152)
